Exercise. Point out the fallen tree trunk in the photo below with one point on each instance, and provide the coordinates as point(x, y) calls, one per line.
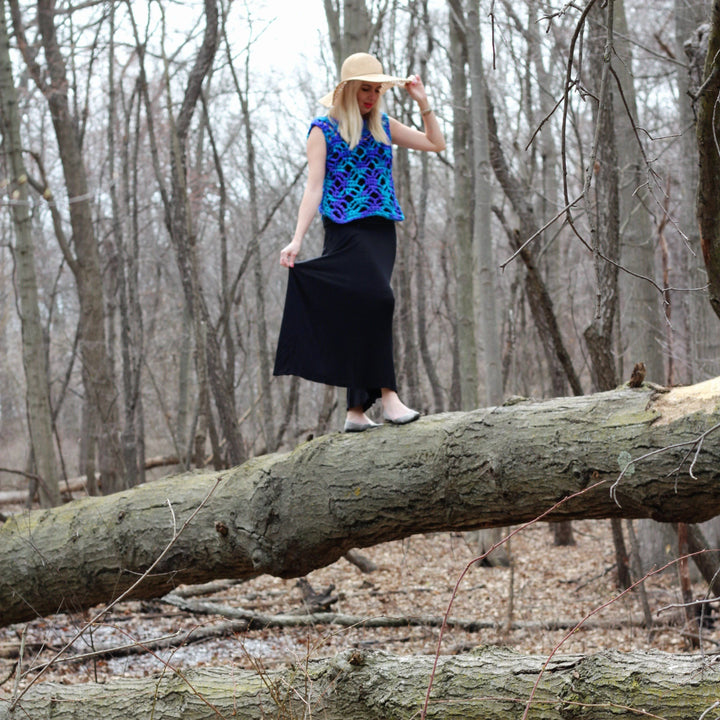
point(287, 514)
point(258, 620)
point(493, 684)
point(20, 497)
point(79, 484)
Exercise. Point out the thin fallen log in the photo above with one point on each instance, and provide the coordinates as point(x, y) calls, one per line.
point(258, 621)
point(492, 684)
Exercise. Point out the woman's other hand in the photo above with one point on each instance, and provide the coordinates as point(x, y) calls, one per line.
point(288, 254)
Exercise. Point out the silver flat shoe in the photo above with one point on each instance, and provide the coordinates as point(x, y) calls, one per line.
point(353, 427)
point(403, 419)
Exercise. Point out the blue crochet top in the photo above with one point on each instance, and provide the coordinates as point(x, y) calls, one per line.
point(358, 183)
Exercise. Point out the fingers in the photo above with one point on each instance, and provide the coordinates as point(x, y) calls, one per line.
point(287, 258)
point(415, 87)
point(413, 81)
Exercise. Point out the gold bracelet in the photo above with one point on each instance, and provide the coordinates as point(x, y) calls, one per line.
point(426, 111)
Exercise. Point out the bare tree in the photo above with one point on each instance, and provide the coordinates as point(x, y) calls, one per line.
point(708, 134)
point(352, 27)
point(602, 201)
point(691, 33)
point(421, 219)
point(405, 320)
point(125, 254)
point(268, 421)
point(33, 344)
point(465, 330)
point(640, 320)
point(482, 235)
point(179, 222)
point(101, 394)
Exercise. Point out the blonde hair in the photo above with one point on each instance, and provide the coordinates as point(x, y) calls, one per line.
point(350, 122)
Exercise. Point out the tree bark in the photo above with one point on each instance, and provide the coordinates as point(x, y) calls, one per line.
point(260, 279)
point(37, 392)
point(350, 27)
point(603, 203)
point(691, 33)
point(639, 312)
point(482, 213)
point(287, 514)
point(492, 684)
point(178, 220)
point(462, 213)
point(125, 250)
point(708, 131)
point(85, 264)
point(405, 321)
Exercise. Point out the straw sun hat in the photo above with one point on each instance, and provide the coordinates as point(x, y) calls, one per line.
point(367, 68)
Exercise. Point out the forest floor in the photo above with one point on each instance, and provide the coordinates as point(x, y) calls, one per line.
point(533, 607)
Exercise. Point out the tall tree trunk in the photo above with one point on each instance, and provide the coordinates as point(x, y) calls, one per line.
point(482, 217)
point(547, 203)
point(268, 411)
point(462, 202)
point(708, 131)
point(421, 266)
point(691, 42)
point(178, 220)
point(406, 351)
point(640, 319)
point(602, 203)
point(131, 184)
point(37, 390)
point(97, 370)
point(125, 265)
point(421, 256)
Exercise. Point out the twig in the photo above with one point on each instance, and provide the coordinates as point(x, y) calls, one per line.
point(558, 215)
point(21, 653)
point(692, 443)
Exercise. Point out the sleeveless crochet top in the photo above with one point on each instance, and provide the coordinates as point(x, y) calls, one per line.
point(358, 183)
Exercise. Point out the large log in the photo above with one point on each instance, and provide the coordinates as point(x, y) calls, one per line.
point(492, 684)
point(287, 514)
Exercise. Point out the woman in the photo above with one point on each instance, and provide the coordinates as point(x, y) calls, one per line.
point(337, 323)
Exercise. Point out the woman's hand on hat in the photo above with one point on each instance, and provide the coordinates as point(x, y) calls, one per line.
point(415, 88)
point(288, 254)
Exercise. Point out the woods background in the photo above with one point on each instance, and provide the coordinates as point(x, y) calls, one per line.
point(568, 240)
point(154, 164)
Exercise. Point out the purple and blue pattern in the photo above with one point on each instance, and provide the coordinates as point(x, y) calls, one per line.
point(358, 182)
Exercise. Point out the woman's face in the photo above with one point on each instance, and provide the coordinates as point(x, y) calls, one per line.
point(368, 95)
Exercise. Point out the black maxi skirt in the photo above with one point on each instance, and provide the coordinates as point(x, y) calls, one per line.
point(337, 323)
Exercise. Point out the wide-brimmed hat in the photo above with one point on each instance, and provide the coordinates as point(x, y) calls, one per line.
point(367, 68)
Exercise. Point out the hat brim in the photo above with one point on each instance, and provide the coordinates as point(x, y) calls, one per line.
point(387, 81)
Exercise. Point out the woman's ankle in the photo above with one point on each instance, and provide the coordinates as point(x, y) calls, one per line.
point(356, 414)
